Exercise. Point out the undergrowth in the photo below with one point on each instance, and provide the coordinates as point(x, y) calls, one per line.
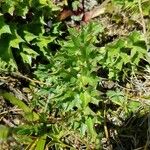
point(69, 84)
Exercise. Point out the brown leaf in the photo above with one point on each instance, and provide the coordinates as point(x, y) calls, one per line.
point(96, 11)
point(65, 14)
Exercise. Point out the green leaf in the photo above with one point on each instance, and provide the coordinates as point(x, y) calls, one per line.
point(134, 37)
point(6, 52)
point(27, 54)
point(29, 36)
point(3, 132)
point(21, 9)
point(26, 58)
point(41, 143)
point(90, 126)
point(15, 40)
point(85, 98)
point(4, 28)
point(117, 97)
point(9, 6)
point(76, 102)
point(31, 116)
point(43, 2)
point(76, 41)
point(42, 43)
point(133, 105)
point(25, 129)
point(83, 129)
point(125, 58)
point(29, 51)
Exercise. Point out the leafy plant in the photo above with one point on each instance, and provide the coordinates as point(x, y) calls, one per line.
point(124, 55)
point(73, 76)
point(73, 80)
point(68, 108)
point(22, 30)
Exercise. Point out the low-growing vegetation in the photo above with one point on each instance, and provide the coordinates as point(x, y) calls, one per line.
point(74, 74)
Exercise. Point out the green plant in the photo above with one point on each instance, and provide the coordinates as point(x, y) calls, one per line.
point(68, 109)
point(124, 55)
point(22, 30)
point(72, 74)
point(35, 128)
point(73, 77)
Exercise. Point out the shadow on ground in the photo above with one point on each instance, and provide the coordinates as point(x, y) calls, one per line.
point(133, 134)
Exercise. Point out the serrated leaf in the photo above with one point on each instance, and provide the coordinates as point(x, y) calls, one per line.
point(21, 10)
point(27, 54)
point(76, 41)
point(111, 74)
point(139, 49)
point(73, 31)
point(42, 20)
point(26, 58)
point(6, 52)
point(29, 36)
point(4, 28)
point(94, 28)
point(9, 7)
point(125, 58)
point(88, 111)
point(76, 102)
point(15, 40)
point(42, 43)
point(137, 55)
point(29, 51)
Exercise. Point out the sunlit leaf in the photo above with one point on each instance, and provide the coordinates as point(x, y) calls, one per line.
point(4, 28)
point(90, 126)
point(41, 143)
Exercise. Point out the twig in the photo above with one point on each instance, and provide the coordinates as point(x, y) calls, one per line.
point(105, 125)
point(29, 79)
point(125, 88)
point(107, 134)
point(3, 78)
point(7, 122)
point(17, 74)
point(140, 148)
point(11, 110)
